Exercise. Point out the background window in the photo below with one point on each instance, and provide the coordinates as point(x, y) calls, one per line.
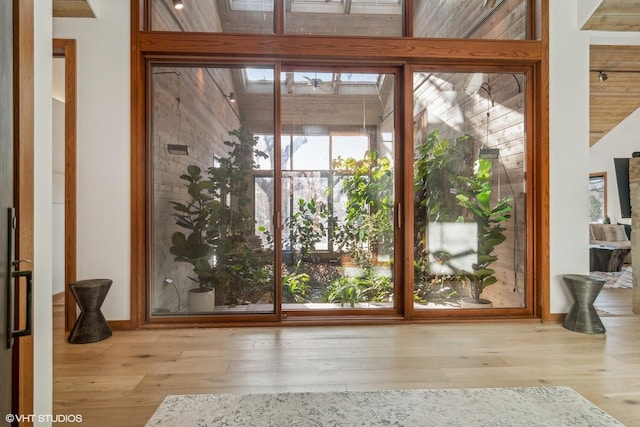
point(597, 197)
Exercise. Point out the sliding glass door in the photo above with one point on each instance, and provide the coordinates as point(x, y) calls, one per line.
point(469, 179)
point(250, 218)
point(237, 209)
point(337, 190)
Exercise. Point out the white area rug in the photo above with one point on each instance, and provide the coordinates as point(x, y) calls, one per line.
point(616, 279)
point(495, 407)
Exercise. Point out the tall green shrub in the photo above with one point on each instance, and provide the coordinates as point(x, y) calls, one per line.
point(368, 224)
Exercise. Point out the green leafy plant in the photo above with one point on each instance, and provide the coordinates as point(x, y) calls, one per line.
point(438, 163)
point(307, 227)
point(346, 290)
point(476, 197)
point(368, 224)
point(437, 288)
point(196, 216)
point(367, 288)
point(218, 216)
point(296, 286)
point(234, 243)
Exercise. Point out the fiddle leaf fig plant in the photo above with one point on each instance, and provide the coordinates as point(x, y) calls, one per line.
point(218, 219)
point(476, 197)
point(195, 216)
point(438, 164)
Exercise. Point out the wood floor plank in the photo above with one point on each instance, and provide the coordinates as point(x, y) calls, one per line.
point(97, 382)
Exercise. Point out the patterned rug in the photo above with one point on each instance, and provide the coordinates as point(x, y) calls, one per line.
point(496, 407)
point(616, 279)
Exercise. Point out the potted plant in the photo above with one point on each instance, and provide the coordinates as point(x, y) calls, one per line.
point(220, 240)
point(476, 197)
point(438, 163)
point(234, 242)
point(195, 247)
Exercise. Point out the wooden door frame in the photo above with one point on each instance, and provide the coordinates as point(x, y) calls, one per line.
point(24, 105)
point(66, 48)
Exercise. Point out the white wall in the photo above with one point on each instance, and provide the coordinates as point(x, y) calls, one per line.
point(569, 149)
point(103, 156)
point(621, 141)
point(42, 301)
point(586, 9)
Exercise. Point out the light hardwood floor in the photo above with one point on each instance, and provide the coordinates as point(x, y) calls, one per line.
point(120, 381)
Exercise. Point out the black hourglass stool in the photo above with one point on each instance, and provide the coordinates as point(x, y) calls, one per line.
point(90, 326)
point(583, 316)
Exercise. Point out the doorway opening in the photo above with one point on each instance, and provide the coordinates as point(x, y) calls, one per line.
point(64, 179)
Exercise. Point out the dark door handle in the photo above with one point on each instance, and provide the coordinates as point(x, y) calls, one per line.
point(17, 262)
point(29, 302)
point(12, 279)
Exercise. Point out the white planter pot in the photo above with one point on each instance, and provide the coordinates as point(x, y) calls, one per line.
point(471, 303)
point(201, 300)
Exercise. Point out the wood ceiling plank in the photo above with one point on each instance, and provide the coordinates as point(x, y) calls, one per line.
point(615, 15)
point(611, 101)
point(615, 58)
point(618, 7)
point(625, 22)
point(72, 9)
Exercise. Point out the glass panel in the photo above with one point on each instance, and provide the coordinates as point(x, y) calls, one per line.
point(464, 19)
point(481, 19)
point(304, 204)
point(344, 17)
point(354, 146)
point(211, 221)
point(310, 152)
point(597, 198)
point(338, 197)
point(470, 190)
point(213, 16)
point(264, 191)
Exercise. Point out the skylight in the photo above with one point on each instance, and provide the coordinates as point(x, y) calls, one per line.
point(308, 82)
point(371, 7)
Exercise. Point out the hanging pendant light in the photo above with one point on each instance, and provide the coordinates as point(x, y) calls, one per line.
point(177, 4)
